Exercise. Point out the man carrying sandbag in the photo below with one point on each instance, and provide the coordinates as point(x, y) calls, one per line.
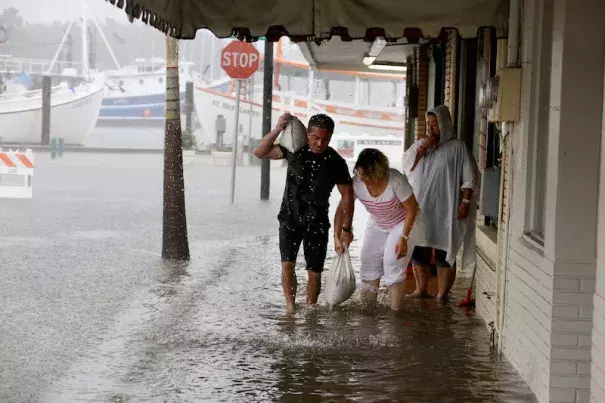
point(313, 171)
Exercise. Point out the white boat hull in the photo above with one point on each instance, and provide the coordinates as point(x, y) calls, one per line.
point(73, 115)
point(211, 102)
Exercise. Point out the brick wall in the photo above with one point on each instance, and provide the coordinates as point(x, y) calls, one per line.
point(451, 71)
point(485, 276)
point(422, 74)
point(598, 337)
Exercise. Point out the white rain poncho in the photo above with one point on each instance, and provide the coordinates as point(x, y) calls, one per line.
point(438, 180)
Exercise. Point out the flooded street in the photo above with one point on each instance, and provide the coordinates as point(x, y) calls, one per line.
point(91, 313)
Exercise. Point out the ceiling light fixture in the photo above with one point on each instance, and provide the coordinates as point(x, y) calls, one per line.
point(388, 67)
point(368, 60)
point(377, 46)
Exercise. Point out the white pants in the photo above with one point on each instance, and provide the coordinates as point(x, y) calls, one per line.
point(378, 256)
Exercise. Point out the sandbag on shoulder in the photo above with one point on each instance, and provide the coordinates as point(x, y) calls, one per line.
point(294, 136)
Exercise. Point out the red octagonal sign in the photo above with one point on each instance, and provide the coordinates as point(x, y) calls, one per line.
point(240, 59)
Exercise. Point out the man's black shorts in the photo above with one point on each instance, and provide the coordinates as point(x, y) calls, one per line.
point(421, 256)
point(314, 238)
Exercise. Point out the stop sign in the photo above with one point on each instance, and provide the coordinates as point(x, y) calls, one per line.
point(240, 59)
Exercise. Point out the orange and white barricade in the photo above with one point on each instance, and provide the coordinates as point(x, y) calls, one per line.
point(16, 171)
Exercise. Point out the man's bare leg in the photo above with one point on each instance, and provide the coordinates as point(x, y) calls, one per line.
point(445, 278)
point(421, 274)
point(397, 294)
point(288, 283)
point(369, 292)
point(313, 287)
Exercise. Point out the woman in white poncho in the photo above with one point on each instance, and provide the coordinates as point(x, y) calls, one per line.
point(444, 176)
point(388, 197)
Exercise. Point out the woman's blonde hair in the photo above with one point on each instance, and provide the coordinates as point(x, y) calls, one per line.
point(373, 163)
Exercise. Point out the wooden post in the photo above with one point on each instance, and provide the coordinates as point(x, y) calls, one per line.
point(46, 85)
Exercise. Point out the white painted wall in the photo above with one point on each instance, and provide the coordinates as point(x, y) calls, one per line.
point(548, 305)
point(598, 332)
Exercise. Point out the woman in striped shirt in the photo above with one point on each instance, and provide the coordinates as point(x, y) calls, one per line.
point(388, 197)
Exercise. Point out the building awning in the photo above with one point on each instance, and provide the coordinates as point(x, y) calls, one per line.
point(305, 20)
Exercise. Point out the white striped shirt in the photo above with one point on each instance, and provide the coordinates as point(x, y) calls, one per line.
point(386, 209)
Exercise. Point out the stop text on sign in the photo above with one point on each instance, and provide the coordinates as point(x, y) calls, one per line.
point(234, 59)
point(240, 60)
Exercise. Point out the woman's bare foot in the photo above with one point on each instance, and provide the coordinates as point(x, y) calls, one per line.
point(290, 308)
point(418, 294)
point(442, 297)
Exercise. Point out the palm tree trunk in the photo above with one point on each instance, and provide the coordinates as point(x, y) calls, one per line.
point(175, 245)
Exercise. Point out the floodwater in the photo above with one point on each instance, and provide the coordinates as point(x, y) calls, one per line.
point(91, 313)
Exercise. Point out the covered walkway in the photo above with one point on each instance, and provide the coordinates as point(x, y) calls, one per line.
point(524, 81)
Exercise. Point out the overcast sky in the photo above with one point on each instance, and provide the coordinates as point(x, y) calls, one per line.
point(47, 11)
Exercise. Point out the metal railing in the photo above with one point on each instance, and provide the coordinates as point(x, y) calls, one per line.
point(11, 65)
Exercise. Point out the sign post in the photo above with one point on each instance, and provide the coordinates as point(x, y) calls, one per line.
point(239, 60)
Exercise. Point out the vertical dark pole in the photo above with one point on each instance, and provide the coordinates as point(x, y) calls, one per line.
point(189, 107)
point(46, 83)
point(267, 109)
point(92, 51)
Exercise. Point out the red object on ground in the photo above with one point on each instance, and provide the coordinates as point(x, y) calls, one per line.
point(468, 301)
point(240, 60)
point(409, 271)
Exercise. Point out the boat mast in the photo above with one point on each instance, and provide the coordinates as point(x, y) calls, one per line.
point(212, 61)
point(84, 42)
point(113, 56)
point(52, 63)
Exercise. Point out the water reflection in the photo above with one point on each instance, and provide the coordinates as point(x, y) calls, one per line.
point(428, 352)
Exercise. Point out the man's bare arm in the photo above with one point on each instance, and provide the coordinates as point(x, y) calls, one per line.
point(338, 220)
point(347, 207)
point(267, 149)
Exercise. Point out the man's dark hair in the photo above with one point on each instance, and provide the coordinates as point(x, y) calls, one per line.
point(322, 121)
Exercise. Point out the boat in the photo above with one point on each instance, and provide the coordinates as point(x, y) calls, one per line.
point(73, 113)
point(137, 92)
point(74, 109)
point(295, 91)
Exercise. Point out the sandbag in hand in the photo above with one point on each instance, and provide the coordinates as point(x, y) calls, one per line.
point(340, 281)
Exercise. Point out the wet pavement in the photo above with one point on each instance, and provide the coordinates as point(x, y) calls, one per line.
point(91, 313)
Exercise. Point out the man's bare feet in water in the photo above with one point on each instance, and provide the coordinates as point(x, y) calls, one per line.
point(418, 294)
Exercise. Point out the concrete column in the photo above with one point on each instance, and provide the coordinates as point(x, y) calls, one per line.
point(572, 190)
point(574, 131)
point(597, 372)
